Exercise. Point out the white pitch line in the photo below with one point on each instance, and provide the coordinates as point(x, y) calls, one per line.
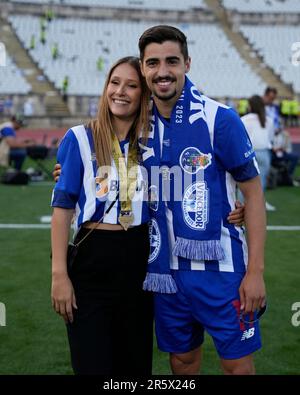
point(279, 227)
point(47, 226)
point(25, 226)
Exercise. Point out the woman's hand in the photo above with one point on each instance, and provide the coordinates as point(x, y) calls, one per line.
point(56, 172)
point(237, 216)
point(63, 296)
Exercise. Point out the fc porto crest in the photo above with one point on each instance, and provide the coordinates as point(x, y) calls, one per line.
point(192, 160)
point(155, 240)
point(195, 205)
point(153, 197)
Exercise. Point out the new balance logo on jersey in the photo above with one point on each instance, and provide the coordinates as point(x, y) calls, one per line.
point(248, 333)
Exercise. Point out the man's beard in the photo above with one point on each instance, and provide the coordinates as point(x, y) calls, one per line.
point(166, 98)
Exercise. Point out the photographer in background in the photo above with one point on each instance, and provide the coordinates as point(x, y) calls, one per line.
point(17, 149)
point(282, 154)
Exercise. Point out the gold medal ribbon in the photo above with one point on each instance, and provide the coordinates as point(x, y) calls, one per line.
point(127, 180)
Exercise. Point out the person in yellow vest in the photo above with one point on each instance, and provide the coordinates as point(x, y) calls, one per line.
point(43, 37)
point(49, 15)
point(294, 111)
point(32, 42)
point(285, 111)
point(100, 63)
point(43, 23)
point(55, 51)
point(65, 87)
point(243, 106)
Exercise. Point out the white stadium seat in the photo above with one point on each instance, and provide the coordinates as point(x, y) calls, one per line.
point(275, 44)
point(217, 67)
point(177, 5)
point(263, 6)
point(11, 79)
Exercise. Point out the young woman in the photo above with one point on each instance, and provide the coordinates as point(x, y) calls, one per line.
point(260, 129)
point(108, 315)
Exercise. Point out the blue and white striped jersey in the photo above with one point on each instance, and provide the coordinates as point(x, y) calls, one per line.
point(236, 163)
point(79, 186)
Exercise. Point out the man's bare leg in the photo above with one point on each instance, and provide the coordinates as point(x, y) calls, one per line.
point(187, 363)
point(244, 365)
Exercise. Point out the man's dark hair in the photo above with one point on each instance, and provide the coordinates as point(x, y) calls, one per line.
point(18, 118)
point(161, 33)
point(270, 89)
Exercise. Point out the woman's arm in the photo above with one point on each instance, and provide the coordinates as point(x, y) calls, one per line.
point(237, 216)
point(62, 294)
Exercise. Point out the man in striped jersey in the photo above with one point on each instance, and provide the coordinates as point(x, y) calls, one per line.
point(219, 281)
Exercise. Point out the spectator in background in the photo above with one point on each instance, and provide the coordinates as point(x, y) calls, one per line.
point(100, 63)
point(49, 14)
point(271, 109)
point(32, 42)
point(242, 107)
point(65, 87)
point(285, 111)
point(260, 127)
point(18, 151)
point(1, 106)
point(43, 23)
point(295, 111)
point(282, 153)
point(28, 107)
point(54, 51)
point(43, 37)
point(8, 106)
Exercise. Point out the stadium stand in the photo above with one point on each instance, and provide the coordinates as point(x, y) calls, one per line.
point(236, 50)
point(267, 40)
point(219, 70)
point(11, 79)
point(263, 6)
point(136, 4)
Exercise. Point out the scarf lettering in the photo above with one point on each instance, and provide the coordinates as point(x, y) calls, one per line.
point(198, 106)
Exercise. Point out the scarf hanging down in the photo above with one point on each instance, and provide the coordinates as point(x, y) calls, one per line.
point(193, 198)
point(158, 278)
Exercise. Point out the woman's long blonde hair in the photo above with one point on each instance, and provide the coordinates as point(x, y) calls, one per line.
point(102, 126)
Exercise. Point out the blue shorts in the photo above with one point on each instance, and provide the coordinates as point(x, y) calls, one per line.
point(206, 300)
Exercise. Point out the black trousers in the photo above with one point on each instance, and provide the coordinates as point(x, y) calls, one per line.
point(112, 331)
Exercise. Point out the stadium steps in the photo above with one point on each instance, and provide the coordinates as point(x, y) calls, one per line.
point(53, 102)
point(247, 52)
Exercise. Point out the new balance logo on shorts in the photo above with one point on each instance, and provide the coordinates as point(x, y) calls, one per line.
point(248, 333)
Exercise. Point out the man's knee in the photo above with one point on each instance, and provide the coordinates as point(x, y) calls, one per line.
point(186, 363)
point(241, 366)
point(188, 357)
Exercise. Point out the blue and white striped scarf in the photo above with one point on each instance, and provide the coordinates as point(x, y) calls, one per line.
point(183, 148)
